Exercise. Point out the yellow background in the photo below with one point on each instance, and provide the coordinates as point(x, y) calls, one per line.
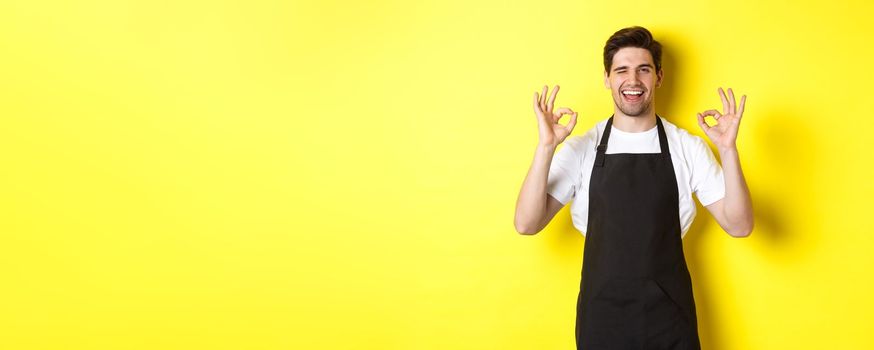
point(343, 175)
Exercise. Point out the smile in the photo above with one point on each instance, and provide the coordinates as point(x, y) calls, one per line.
point(632, 95)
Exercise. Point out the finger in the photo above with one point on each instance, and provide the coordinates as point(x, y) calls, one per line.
point(716, 115)
point(558, 113)
point(740, 110)
point(703, 124)
point(537, 103)
point(543, 99)
point(572, 123)
point(552, 98)
point(724, 101)
point(732, 103)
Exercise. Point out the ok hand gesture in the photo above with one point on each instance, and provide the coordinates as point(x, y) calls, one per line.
point(724, 133)
point(551, 132)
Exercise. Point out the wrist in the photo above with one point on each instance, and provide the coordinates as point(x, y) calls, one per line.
point(727, 150)
point(546, 146)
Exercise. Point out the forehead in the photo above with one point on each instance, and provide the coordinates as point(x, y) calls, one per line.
point(632, 57)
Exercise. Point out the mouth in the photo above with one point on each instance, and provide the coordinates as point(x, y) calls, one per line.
point(632, 95)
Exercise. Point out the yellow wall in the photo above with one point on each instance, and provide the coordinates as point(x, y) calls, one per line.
point(339, 175)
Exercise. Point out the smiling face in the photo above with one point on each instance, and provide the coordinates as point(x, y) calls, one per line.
point(632, 80)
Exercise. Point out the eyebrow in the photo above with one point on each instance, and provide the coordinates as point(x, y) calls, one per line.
point(642, 65)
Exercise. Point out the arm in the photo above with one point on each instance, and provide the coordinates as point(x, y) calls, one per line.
point(534, 207)
point(734, 212)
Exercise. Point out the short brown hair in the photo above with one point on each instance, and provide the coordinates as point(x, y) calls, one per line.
point(632, 37)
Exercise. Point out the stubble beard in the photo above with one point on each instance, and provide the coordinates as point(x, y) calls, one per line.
point(634, 110)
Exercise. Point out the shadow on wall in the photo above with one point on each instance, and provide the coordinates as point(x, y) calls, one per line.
point(779, 138)
point(788, 149)
point(781, 143)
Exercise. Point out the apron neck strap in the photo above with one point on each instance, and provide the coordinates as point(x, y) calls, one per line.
point(602, 146)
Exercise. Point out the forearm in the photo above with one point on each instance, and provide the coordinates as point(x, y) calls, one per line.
point(531, 203)
point(738, 209)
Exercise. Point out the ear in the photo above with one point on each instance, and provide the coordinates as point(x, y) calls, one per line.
point(660, 75)
point(606, 80)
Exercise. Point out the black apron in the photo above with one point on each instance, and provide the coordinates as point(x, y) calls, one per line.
point(635, 288)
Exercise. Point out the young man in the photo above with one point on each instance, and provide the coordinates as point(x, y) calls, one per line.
point(632, 177)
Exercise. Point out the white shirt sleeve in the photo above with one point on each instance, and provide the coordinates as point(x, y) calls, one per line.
point(564, 179)
point(707, 178)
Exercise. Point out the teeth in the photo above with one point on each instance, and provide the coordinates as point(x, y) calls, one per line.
point(632, 92)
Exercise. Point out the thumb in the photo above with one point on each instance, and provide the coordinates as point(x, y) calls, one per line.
point(572, 122)
point(702, 124)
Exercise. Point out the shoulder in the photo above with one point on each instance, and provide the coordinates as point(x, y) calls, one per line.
point(587, 141)
point(691, 144)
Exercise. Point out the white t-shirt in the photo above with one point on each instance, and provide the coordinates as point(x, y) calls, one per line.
point(696, 168)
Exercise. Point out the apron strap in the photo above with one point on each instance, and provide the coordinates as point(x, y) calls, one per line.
point(602, 146)
point(663, 139)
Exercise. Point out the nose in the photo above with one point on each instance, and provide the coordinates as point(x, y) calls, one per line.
point(633, 76)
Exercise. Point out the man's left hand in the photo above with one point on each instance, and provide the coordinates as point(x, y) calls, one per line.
point(724, 132)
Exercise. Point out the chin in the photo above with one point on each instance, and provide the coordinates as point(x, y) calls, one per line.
point(634, 113)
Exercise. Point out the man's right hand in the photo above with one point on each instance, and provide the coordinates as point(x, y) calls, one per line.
point(551, 132)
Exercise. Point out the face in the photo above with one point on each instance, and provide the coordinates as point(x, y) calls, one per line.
point(633, 80)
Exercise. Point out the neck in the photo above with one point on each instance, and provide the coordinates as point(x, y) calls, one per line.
point(639, 123)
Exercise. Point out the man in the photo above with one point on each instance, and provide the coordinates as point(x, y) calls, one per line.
point(632, 177)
